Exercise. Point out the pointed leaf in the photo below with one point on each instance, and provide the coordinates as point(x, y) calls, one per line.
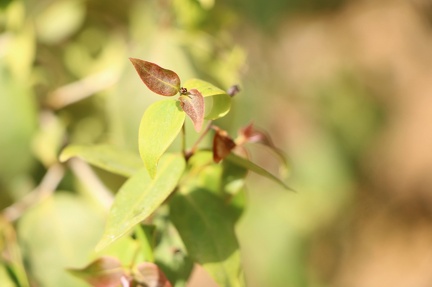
point(159, 126)
point(221, 100)
point(222, 145)
point(140, 196)
point(252, 135)
point(206, 226)
point(150, 275)
point(161, 81)
point(107, 157)
point(103, 272)
point(193, 105)
point(255, 168)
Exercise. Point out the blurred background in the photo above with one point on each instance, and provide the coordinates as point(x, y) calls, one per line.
point(343, 86)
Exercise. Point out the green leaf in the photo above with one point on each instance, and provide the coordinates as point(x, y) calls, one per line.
point(221, 106)
point(103, 272)
point(159, 126)
point(193, 105)
point(161, 81)
point(140, 196)
point(206, 225)
point(255, 168)
point(56, 234)
point(221, 100)
point(107, 157)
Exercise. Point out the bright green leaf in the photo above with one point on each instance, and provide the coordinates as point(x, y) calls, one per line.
point(159, 126)
point(255, 168)
point(140, 196)
point(107, 157)
point(221, 100)
point(206, 225)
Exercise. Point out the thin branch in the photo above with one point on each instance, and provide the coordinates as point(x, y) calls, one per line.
point(47, 186)
point(196, 144)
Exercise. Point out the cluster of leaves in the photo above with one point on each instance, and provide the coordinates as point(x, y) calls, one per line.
point(202, 188)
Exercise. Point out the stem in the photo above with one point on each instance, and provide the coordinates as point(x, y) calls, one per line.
point(183, 143)
point(195, 146)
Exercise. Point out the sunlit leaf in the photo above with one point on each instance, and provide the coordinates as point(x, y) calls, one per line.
point(140, 196)
point(103, 272)
point(221, 100)
point(107, 157)
point(243, 162)
point(159, 126)
point(193, 105)
point(150, 275)
point(206, 226)
point(161, 81)
point(222, 145)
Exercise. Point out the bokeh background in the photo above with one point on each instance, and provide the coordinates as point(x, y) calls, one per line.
point(343, 86)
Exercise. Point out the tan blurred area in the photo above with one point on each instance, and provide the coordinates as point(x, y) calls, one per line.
point(384, 237)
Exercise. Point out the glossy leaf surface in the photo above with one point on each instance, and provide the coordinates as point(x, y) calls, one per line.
point(159, 80)
point(193, 105)
point(159, 126)
point(140, 196)
point(103, 272)
point(255, 168)
point(206, 226)
point(107, 157)
point(221, 100)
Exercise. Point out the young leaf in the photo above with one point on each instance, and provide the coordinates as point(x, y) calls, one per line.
point(107, 157)
point(222, 145)
point(221, 100)
point(103, 272)
point(252, 135)
point(206, 226)
point(161, 81)
point(150, 275)
point(140, 196)
point(159, 126)
point(193, 105)
point(255, 168)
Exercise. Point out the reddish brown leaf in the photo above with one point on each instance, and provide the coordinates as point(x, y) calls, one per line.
point(103, 272)
point(150, 275)
point(222, 145)
point(161, 81)
point(193, 105)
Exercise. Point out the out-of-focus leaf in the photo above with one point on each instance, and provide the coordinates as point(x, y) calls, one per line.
point(170, 253)
point(48, 140)
point(161, 81)
point(140, 196)
point(59, 233)
point(222, 145)
point(145, 235)
point(159, 126)
point(103, 272)
point(107, 157)
point(5, 279)
point(252, 135)
point(255, 168)
point(18, 122)
point(10, 255)
point(221, 100)
point(150, 275)
point(206, 226)
point(233, 177)
point(193, 105)
point(59, 20)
